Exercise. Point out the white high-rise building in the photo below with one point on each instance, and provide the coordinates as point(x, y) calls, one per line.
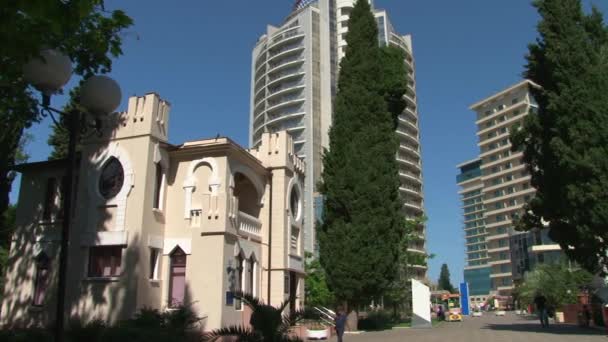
point(294, 77)
point(495, 188)
point(291, 90)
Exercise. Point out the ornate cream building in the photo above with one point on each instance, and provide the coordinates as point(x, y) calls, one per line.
point(158, 225)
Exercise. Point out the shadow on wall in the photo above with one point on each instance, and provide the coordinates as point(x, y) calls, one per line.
point(87, 298)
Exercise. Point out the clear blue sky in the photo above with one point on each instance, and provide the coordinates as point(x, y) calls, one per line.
point(198, 57)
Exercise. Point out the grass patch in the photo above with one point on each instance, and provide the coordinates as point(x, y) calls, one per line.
point(434, 322)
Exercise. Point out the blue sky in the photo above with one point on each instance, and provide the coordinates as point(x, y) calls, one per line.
point(198, 57)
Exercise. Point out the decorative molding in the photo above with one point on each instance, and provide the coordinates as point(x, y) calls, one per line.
point(297, 183)
point(170, 244)
point(117, 238)
point(190, 182)
point(155, 241)
point(120, 200)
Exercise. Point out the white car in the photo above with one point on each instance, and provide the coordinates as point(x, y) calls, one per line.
point(476, 314)
point(501, 313)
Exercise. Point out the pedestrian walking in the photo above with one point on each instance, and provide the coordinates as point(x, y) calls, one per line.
point(541, 309)
point(340, 322)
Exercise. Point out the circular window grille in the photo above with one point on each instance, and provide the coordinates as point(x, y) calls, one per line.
point(112, 178)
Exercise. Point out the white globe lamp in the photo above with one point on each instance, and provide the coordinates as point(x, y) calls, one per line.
point(100, 95)
point(49, 72)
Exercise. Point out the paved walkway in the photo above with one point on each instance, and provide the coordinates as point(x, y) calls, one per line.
point(488, 328)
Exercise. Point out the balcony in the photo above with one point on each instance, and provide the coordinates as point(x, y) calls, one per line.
point(286, 75)
point(249, 225)
point(409, 148)
point(285, 37)
point(285, 89)
point(416, 249)
point(498, 249)
point(411, 191)
point(501, 275)
point(499, 262)
point(286, 51)
point(500, 112)
point(284, 103)
point(413, 205)
point(408, 162)
point(408, 121)
point(404, 135)
point(410, 176)
point(284, 63)
point(279, 118)
point(505, 288)
point(463, 177)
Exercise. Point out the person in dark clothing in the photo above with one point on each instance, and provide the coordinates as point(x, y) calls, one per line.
point(340, 322)
point(541, 308)
point(440, 313)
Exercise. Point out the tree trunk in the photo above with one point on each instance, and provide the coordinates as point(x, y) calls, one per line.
point(352, 321)
point(5, 188)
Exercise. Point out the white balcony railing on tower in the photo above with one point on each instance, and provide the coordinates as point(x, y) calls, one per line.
point(249, 224)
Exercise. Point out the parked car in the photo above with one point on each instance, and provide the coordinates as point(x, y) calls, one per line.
point(500, 313)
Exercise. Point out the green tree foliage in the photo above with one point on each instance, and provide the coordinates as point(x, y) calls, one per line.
point(557, 282)
point(316, 291)
point(360, 236)
point(82, 29)
point(565, 145)
point(60, 136)
point(399, 294)
point(444, 282)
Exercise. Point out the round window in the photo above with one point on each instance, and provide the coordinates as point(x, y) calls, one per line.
point(112, 178)
point(294, 203)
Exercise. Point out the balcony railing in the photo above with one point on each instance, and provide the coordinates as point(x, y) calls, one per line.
point(249, 224)
point(288, 72)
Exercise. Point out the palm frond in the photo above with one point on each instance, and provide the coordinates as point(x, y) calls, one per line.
point(240, 332)
point(283, 306)
point(250, 300)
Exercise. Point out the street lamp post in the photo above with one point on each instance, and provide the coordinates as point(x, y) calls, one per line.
point(100, 95)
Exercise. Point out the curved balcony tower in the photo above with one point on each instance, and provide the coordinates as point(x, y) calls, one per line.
point(291, 91)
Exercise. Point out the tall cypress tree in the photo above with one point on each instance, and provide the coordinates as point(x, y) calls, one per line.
point(360, 236)
point(444, 282)
point(565, 144)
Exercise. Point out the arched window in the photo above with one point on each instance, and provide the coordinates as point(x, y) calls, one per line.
point(251, 276)
point(177, 278)
point(240, 264)
point(41, 284)
point(158, 184)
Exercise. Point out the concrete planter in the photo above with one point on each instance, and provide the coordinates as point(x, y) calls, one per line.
point(317, 334)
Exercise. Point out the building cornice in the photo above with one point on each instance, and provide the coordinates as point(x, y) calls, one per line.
point(504, 92)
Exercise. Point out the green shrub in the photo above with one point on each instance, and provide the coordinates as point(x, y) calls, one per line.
point(376, 320)
point(148, 325)
point(26, 335)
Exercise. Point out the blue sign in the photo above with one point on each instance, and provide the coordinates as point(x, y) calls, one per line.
point(464, 298)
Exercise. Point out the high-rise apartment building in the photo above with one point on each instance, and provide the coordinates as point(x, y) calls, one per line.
point(291, 89)
point(294, 79)
point(495, 188)
point(476, 270)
